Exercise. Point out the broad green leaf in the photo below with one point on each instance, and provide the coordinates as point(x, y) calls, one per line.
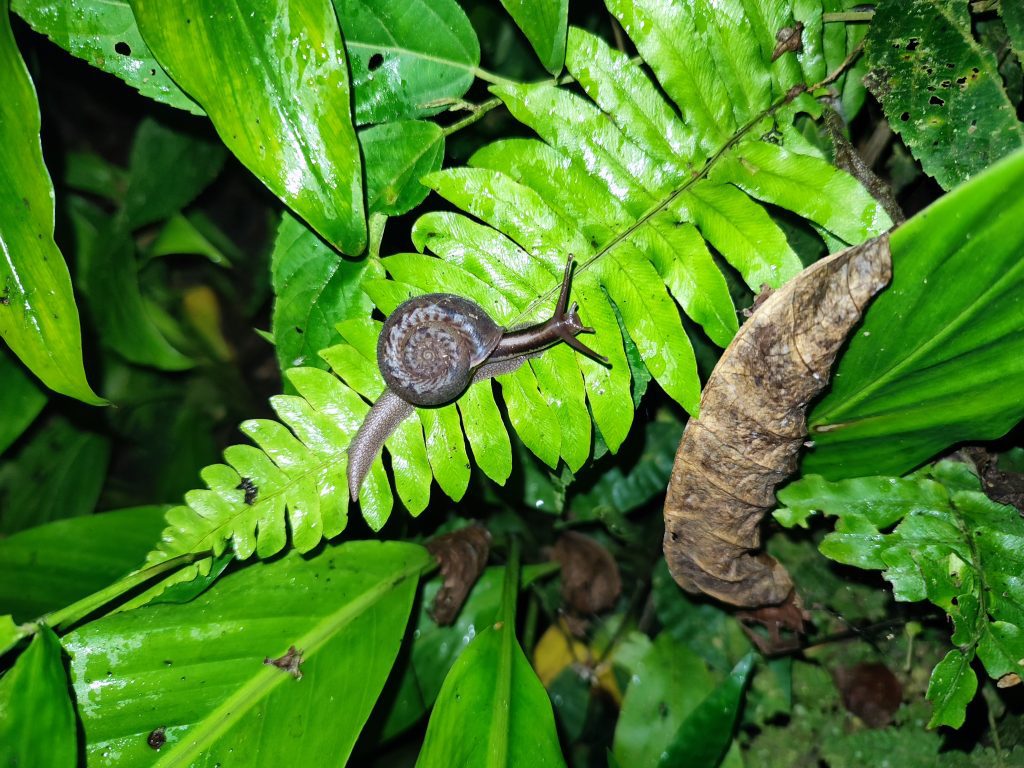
point(409, 58)
point(285, 112)
point(104, 33)
point(21, 400)
point(88, 172)
point(544, 23)
point(934, 536)
point(344, 611)
point(665, 687)
point(168, 168)
point(54, 565)
point(195, 235)
point(940, 89)
point(1013, 18)
point(37, 718)
point(492, 710)
point(315, 289)
point(939, 358)
point(56, 474)
point(705, 734)
point(38, 316)
point(397, 156)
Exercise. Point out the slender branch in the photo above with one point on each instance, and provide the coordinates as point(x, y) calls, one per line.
point(845, 16)
point(477, 111)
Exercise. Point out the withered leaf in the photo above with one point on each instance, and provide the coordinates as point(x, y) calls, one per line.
point(462, 556)
point(590, 575)
point(753, 423)
point(871, 692)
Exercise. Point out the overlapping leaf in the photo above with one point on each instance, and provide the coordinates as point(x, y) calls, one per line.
point(640, 191)
point(934, 537)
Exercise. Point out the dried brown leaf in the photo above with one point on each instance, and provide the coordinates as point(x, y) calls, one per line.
point(462, 556)
point(789, 39)
point(753, 423)
point(870, 691)
point(590, 575)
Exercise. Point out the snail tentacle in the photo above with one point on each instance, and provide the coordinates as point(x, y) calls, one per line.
point(380, 423)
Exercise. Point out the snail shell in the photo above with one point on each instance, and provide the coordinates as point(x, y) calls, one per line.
point(431, 345)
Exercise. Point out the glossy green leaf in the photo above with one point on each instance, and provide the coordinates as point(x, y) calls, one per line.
point(21, 400)
point(705, 734)
point(285, 113)
point(665, 686)
point(104, 33)
point(939, 357)
point(315, 289)
point(37, 717)
point(492, 710)
point(56, 474)
point(54, 565)
point(544, 23)
point(934, 536)
point(397, 156)
point(38, 316)
point(940, 89)
point(168, 168)
point(398, 70)
point(198, 669)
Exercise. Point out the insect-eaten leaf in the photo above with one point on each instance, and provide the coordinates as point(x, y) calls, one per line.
point(752, 425)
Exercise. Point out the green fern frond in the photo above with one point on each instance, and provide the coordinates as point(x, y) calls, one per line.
point(640, 178)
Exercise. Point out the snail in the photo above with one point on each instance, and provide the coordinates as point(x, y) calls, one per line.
point(432, 347)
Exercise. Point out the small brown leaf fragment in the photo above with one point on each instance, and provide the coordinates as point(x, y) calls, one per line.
point(752, 426)
point(1008, 680)
point(290, 662)
point(462, 556)
point(1000, 486)
point(871, 692)
point(789, 617)
point(590, 576)
point(789, 39)
point(157, 738)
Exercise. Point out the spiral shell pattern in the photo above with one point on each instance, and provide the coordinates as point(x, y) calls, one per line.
point(431, 345)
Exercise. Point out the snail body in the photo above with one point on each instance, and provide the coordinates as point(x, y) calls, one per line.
point(432, 347)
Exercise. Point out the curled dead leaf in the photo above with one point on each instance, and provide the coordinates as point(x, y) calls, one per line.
point(590, 575)
point(462, 556)
point(789, 39)
point(752, 426)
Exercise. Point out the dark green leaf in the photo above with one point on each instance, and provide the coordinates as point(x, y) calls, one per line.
point(410, 58)
point(939, 88)
point(21, 400)
point(109, 277)
point(195, 235)
point(544, 23)
point(104, 33)
point(705, 734)
point(56, 474)
point(168, 169)
point(38, 316)
point(54, 565)
point(397, 156)
point(37, 717)
point(88, 172)
point(940, 355)
point(274, 80)
point(665, 687)
point(315, 288)
point(198, 669)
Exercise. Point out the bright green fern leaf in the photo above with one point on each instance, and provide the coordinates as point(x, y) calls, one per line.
point(934, 536)
point(658, 166)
